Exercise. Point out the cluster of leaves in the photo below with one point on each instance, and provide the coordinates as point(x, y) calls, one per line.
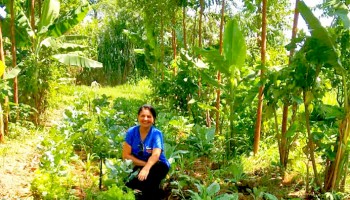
point(91, 132)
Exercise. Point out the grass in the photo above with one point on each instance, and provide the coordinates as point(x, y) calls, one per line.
point(65, 95)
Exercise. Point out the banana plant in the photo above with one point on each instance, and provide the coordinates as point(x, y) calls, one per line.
point(230, 64)
point(44, 47)
point(320, 50)
point(4, 90)
point(51, 27)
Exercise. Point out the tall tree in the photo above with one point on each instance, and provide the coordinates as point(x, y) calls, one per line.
point(283, 147)
point(32, 14)
point(4, 113)
point(13, 51)
point(261, 89)
point(200, 24)
point(218, 91)
point(173, 35)
point(184, 6)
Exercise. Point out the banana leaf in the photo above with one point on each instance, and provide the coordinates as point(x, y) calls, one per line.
point(321, 34)
point(12, 73)
point(65, 22)
point(51, 10)
point(75, 60)
point(23, 30)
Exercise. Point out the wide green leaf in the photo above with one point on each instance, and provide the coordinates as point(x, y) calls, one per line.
point(213, 57)
point(73, 37)
point(12, 73)
point(70, 47)
point(234, 44)
point(321, 34)
point(51, 10)
point(65, 22)
point(75, 60)
point(209, 79)
point(213, 189)
point(23, 30)
point(342, 11)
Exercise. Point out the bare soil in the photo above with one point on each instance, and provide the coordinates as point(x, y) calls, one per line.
point(19, 158)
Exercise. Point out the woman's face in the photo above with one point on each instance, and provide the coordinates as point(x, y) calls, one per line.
point(145, 118)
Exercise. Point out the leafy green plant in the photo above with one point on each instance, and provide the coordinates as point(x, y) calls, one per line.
point(259, 193)
point(171, 153)
point(201, 140)
point(47, 185)
point(180, 185)
point(118, 172)
point(237, 171)
point(211, 192)
point(116, 193)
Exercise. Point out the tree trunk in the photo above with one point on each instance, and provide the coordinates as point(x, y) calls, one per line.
point(173, 34)
point(333, 175)
point(193, 42)
point(162, 47)
point(336, 167)
point(261, 89)
point(13, 52)
point(310, 143)
point(1, 125)
point(32, 16)
point(218, 91)
point(184, 24)
point(200, 22)
point(4, 112)
point(284, 147)
point(39, 8)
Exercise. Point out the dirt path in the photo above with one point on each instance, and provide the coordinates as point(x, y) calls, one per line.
point(19, 159)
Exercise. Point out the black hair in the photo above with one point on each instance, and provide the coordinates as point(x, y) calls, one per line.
point(151, 109)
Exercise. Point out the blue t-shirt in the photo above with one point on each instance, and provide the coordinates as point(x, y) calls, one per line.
point(143, 149)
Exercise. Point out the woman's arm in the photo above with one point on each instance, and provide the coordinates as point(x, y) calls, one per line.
point(128, 156)
point(151, 161)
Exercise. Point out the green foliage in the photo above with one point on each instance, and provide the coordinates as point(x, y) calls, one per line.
point(324, 40)
point(38, 79)
point(237, 171)
point(64, 23)
point(47, 185)
point(201, 140)
point(211, 192)
point(92, 128)
point(172, 154)
point(258, 193)
point(115, 192)
point(40, 72)
point(118, 172)
point(117, 39)
point(179, 89)
point(234, 45)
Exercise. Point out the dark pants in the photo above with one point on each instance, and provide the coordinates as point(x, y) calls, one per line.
point(150, 187)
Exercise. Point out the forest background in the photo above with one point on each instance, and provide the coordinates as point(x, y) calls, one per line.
point(253, 113)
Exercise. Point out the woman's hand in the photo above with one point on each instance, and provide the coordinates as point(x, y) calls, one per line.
point(151, 161)
point(143, 174)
